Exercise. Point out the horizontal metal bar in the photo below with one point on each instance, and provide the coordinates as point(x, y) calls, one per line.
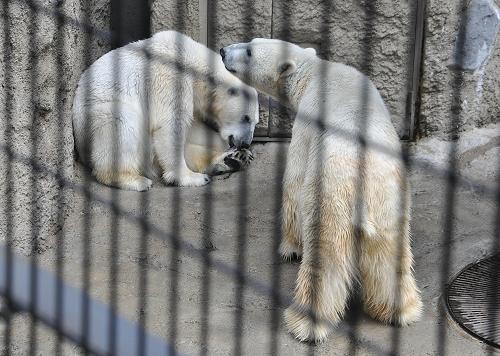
point(261, 139)
point(71, 311)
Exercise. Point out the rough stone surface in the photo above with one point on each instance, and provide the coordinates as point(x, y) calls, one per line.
point(182, 16)
point(374, 37)
point(473, 231)
point(30, 123)
point(342, 38)
point(240, 21)
point(476, 36)
point(227, 23)
point(479, 91)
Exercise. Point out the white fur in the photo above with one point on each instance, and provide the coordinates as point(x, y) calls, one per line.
point(328, 174)
point(131, 114)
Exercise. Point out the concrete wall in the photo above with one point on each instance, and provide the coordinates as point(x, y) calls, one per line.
point(239, 20)
point(30, 124)
point(479, 89)
point(378, 43)
point(182, 16)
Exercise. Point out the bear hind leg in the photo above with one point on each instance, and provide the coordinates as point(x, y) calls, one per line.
point(326, 273)
point(321, 294)
point(124, 180)
point(390, 293)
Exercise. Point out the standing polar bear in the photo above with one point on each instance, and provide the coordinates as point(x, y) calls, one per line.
point(346, 204)
point(139, 110)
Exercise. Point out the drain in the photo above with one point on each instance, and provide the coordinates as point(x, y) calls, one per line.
point(473, 299)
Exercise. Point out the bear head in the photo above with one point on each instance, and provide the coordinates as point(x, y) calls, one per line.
point(264, 63)
point(235, 111)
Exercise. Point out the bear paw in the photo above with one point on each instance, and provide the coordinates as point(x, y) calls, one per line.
point(139, 184)
point(409, 313)
point(289, 251)
point(301, 325)
point(231, 161)
point(403, 315)
point(191, 179)
point(238, 159)
point(142, 184)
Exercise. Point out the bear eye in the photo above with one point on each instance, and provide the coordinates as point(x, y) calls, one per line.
point(246, 118)
point(232, 91)
point(249, 52)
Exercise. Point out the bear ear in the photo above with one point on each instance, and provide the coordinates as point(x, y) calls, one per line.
point(287, 67)
point(311, 50)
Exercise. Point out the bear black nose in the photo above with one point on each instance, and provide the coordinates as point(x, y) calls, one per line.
point(222, 53)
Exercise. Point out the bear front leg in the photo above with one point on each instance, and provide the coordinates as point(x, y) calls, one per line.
point(169, 145)
point(291, 246)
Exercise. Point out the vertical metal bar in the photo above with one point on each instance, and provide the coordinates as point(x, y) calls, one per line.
point(61, 174)
point(449, 211)
point(416, 66)
point(204, 10)
point(282, 32)
point(277, 232)
point(403, 204)
point(277, 211)
point(177, 206)
point(366, 68)
point(275, 255)
point(203, 20)
point(33, 27)
point(117, 19)
point(416, 33)
point(493, 327)
point(145, 31)
point(242, 227)
point(7, 53)
point(87, 220)
point(208, 246)
point(274, 324)
point(320, 132)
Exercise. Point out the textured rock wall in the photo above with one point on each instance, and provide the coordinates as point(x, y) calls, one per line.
point(479, 89)
point(373, 36)
point(240, 21)
point(182, 16)
point(40, 66)
point(389, 37)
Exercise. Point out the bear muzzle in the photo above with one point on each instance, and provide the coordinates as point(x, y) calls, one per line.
point(238, 142)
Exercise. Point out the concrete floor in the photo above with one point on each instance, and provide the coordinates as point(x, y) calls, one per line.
point(248, 236)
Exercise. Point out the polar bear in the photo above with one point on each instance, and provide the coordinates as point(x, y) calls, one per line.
point(346, 203)
point(135, 106)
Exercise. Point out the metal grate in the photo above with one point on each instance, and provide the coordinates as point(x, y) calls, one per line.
point(122, 275)
point(474, 302)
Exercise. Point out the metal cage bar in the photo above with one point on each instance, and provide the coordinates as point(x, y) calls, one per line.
point(99, 328)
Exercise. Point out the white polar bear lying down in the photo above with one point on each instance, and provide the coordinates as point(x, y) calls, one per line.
point(132, 114)
point(345, 209)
